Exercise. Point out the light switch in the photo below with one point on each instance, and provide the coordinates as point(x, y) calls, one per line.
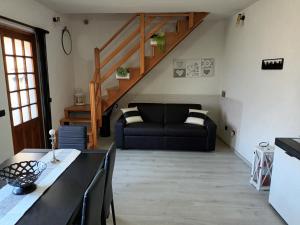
point(2, 113)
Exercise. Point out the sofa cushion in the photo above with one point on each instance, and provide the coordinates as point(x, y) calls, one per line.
point(177, 113)
point(196, 117)
point(144, 129)
point(184, 130)
point(132, 115)
point(150, 112)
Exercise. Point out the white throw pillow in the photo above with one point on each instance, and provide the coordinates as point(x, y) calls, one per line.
point(198, 111)
point(196, 117)
point(132, 115)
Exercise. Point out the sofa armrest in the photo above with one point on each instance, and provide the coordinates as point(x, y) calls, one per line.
point(211, 128)
point(119, 132)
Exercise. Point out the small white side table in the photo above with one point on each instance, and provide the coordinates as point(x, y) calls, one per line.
point(262, 164)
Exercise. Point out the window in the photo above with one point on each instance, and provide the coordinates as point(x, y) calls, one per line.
point(20, 74)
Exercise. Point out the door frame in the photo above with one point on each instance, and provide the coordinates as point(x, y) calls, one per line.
point(42, 86)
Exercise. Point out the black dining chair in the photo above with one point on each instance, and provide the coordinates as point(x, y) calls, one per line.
point(108, 191)
point(71, 136)
point(93, 200)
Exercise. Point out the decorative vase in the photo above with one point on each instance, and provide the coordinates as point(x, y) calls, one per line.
point(79, 97)
point(153, 42)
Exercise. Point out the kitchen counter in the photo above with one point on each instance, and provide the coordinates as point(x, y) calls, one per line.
point(290, 145)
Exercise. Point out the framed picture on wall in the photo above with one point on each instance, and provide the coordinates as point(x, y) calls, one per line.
point(193, 68)
point(179, 68)
point(207, 67)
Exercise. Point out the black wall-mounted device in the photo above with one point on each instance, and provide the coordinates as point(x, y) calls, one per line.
point(2, 113)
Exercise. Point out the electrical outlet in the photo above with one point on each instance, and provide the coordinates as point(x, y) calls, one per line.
point(2, 113)
point(223, 94)
point(232, 133)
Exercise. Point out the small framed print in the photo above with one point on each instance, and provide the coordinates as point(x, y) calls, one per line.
point(207, 67)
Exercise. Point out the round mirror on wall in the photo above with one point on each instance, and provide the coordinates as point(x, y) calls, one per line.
point(66, 41)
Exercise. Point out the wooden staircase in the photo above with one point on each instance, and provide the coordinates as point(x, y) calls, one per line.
point(148, 24)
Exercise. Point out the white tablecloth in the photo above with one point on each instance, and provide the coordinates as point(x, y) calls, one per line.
point(13, 207)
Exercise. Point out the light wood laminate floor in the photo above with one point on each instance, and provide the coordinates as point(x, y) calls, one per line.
point(187, 188)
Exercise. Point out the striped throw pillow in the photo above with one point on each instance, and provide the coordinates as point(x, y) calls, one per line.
point(132, 115)
point(196, 117)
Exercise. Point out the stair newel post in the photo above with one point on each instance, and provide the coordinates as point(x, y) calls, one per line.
point(191, 20)
point(142, 43)
point(93, 113)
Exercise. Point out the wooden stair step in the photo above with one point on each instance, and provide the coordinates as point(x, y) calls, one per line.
point(149, 60)
point(198, 17)
point(171, 42)
point(182, 26)
point(112, 90)
point(77, 109)
point(115, 93)
point(171, 39)
point(75, 120)
point(134, 76)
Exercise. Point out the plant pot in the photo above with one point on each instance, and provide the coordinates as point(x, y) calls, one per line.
point(153, 42)
point(127, 77)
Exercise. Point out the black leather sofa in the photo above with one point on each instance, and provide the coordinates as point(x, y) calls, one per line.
point(164, 128)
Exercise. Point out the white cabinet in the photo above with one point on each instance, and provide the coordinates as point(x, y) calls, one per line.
point(285, 187)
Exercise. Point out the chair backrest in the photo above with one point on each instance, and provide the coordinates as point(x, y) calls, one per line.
point(93, 200)
point(72, 137)
point(109, 167)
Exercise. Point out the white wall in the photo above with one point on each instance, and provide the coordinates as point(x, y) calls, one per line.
point(262, 104)
point(159, 85)
point(59, 65)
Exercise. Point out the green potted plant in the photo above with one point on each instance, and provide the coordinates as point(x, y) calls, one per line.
point(122, 73)
point(159, 40)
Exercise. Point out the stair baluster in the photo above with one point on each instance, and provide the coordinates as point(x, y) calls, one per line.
point(142, 43)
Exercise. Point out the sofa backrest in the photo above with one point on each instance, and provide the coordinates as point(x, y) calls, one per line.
point(164, 113)
point(150, 112)
point(177, 113)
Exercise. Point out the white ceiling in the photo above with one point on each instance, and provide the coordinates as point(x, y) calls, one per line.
point(216, 7)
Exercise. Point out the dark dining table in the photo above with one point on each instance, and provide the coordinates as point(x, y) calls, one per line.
point(61, 202)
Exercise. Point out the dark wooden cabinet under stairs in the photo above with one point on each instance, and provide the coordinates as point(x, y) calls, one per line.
point(148, 24)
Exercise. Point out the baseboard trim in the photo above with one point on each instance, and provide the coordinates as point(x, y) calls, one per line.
point(249, 164)
point(242, 158)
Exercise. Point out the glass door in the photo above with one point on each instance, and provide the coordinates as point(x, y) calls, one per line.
point(19, 57)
